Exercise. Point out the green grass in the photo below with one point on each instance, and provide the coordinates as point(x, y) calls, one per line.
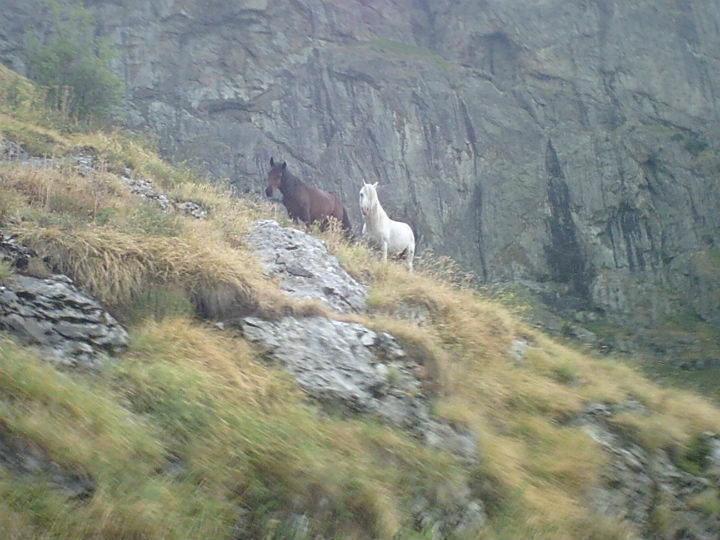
point(707, 502)
point(34, 142)
point(564, 374)
point(240, 436)
point(694, 458)
point(160, 302)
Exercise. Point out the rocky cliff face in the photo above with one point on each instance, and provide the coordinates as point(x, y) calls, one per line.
point(569, 146)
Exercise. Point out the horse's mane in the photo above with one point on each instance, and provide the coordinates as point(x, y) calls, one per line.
point(291, 180)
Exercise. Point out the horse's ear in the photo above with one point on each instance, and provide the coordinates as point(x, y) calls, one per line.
point(284, 165)
point(375, 184)
point(272, 162)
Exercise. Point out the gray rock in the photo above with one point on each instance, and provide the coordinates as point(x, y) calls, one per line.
point(461, 517)
point(11, 151)
point(334, 361)
point(636, 482)
point(22, 457)
point(13, 253)
point(364, 371)
point(294, 527)
point(580, 334)
point(445, 437)
point(68, 325)
point(145, 189)
point(518, 347)
point(305, 267)
point(712, 440)
point(472, 522)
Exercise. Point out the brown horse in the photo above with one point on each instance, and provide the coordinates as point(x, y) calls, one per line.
point(304, 202)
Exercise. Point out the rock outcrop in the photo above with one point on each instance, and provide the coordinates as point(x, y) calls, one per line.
point(639, 485)
point(304, 266)
point(335, 362)
point(69, 327)
point(347, 364)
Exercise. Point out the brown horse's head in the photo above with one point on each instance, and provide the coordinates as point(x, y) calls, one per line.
point(275, 176)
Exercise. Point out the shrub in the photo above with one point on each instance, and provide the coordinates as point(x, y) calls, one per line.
point(73, 64)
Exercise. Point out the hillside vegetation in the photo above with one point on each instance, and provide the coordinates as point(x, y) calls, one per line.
point(191, 434)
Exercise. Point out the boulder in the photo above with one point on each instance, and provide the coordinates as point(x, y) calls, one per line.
point(341, 362)
point(347, 364)
point(68, 326)
point(304, 266)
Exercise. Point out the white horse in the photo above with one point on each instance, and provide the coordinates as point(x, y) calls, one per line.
point(392, 236)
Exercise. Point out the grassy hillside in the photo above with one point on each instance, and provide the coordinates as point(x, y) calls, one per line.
point(189, 434)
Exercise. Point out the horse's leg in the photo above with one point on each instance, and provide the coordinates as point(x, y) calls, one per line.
point(306, 217)
point(291, 214)
point(384, 250)
point(410, 256)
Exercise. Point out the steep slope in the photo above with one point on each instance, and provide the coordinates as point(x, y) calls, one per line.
point(193, 432)
point(570, 148)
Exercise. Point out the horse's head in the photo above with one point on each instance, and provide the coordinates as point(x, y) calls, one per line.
point(275, 176)
point(368, 198)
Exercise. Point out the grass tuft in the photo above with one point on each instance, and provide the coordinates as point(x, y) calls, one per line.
point(118, 268)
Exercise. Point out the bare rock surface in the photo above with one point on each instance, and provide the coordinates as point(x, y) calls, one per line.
point(638, 483)
point(362, 370)
point(22, 457)
point(68, 326)
point(340, 362)
point(304, 266)
point(65, 323)
point(347, 365)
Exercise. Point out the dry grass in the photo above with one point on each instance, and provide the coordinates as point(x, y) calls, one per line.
point(229, 363)
point(138, 249)
point(519, 409)
point(116, 267)
point(235, 432)
point(59, 191)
